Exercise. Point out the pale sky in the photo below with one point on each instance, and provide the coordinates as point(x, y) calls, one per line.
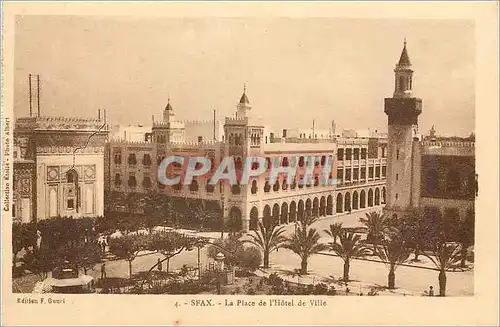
point(296, 70)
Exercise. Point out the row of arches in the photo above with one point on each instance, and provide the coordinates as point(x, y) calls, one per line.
point(322, 206)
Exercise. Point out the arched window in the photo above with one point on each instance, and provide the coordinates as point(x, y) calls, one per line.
point(132, 159)
point(209, 188)
point(193, 187)
point(132, 182)
point(71, 176)
point(146, 182)
point(267, 187)
point(118, 180)
point(236, 189)
point(284, 184)
point(118, 158)
point(276, 186)
point(254, 187)
point(301, 161)
point(285, 162)
point(146, 160)
point(402, 83)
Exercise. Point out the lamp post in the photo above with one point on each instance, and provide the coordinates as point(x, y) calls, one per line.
point(219, 258)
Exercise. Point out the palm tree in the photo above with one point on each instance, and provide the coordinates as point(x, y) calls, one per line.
point(268, 237)
point(334, 231)
point(305, 243)
point(394, 253)
point(349, 247)
point(466, 237)
point(444, 256)
point(377, 224)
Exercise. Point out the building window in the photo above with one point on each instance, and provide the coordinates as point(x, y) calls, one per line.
point(118, 158)
point(340, 175)
point(301, 162)
point(323, 159)
point(276, 186)
point(131, 181)
point(348, 175)
point(355, 174)
point(316, 181)
point(269, 163)
point(377, 172)
point(235, 189)
point(146, 160)
point(397, 177)
point(397, 154)
point(340, 154)
point(193, 187)
point(363, 153)
point(285, 162)
point(209, 188)
point(363, 173)
point(267, 187)
point(348, 154)
point(370, 172)
point(384, 171)
point(70, 204)
point(146, 182)
point(254, 187)
point(356, 154)
point(132, 160)
point(284, 185)
point(301, 181)
point(71, 176)
point(118, 180)
point(383, 152)
point(396, 196)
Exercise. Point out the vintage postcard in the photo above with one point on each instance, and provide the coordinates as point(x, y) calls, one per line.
point(249, 163)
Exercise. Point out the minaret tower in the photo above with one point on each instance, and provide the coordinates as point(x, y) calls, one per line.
point(168, 113)
point(244, 105)
point(402, 111)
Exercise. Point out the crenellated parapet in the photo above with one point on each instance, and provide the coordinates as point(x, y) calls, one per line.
point(60, 124)
point(120, 141)
point(236, 121)
point(450, 144)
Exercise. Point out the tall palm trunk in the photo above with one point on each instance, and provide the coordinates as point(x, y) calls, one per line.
point(463, 255)
point(303, 267)
point(346, 270)
point(168, 265)
point(130, 269)
point(391, 279)
point(442, 283)
point(417, 252)
point(266, 259)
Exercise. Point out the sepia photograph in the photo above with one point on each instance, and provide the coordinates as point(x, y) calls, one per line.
point(291, 160)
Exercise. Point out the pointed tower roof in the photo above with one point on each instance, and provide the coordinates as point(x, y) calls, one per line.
point(169, 106)
point(404, 60)
point(244, 98)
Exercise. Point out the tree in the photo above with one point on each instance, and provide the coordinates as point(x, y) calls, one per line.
point(88, 255)
point(202, 214)
point(170, 244)
point(40, 262)
point(349, 247)
point(444, 256)
point(394, 253)
point(154, 205)
point(413, 230)
point(466, 237)
point(268, 237)
point(334, 231)
point(230, 247)
point(377, 225)
point(305, 243)
point(127, 247)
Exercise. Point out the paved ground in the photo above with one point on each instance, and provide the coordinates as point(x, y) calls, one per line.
point(409, 280)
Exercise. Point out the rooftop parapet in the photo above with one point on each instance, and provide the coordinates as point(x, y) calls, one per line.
point(61, 124)
point(456, 144)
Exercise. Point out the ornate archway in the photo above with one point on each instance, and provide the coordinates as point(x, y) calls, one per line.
point(347, 201)
point(384, 195)
point(293, 211)
point(315, 209)
point(284, 213)
point(340, 206)
point(370, 198)
point(276, 214)
point(308, 207)
point(254, 218)
point(300, 211)
point(329, 205)
point(322, 206)
point(362, 199)
point(355, 200)
point(377, 196)
point(266, 215)
point(235, 221)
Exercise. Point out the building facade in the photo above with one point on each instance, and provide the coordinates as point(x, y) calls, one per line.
point(358, 163)
point(58, 168)
point(431, 173)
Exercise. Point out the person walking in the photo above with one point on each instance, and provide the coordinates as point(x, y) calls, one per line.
point(431, 291)
point(103, 271)
point(160, 265)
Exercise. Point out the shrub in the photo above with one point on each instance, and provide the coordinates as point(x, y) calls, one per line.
point(332, 291)
point(250, 291)
point(320, 289)
point(274, 280)
point(250, 258)
point(310, 289)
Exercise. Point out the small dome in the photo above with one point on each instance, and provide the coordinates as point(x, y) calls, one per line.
point(169, 106)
